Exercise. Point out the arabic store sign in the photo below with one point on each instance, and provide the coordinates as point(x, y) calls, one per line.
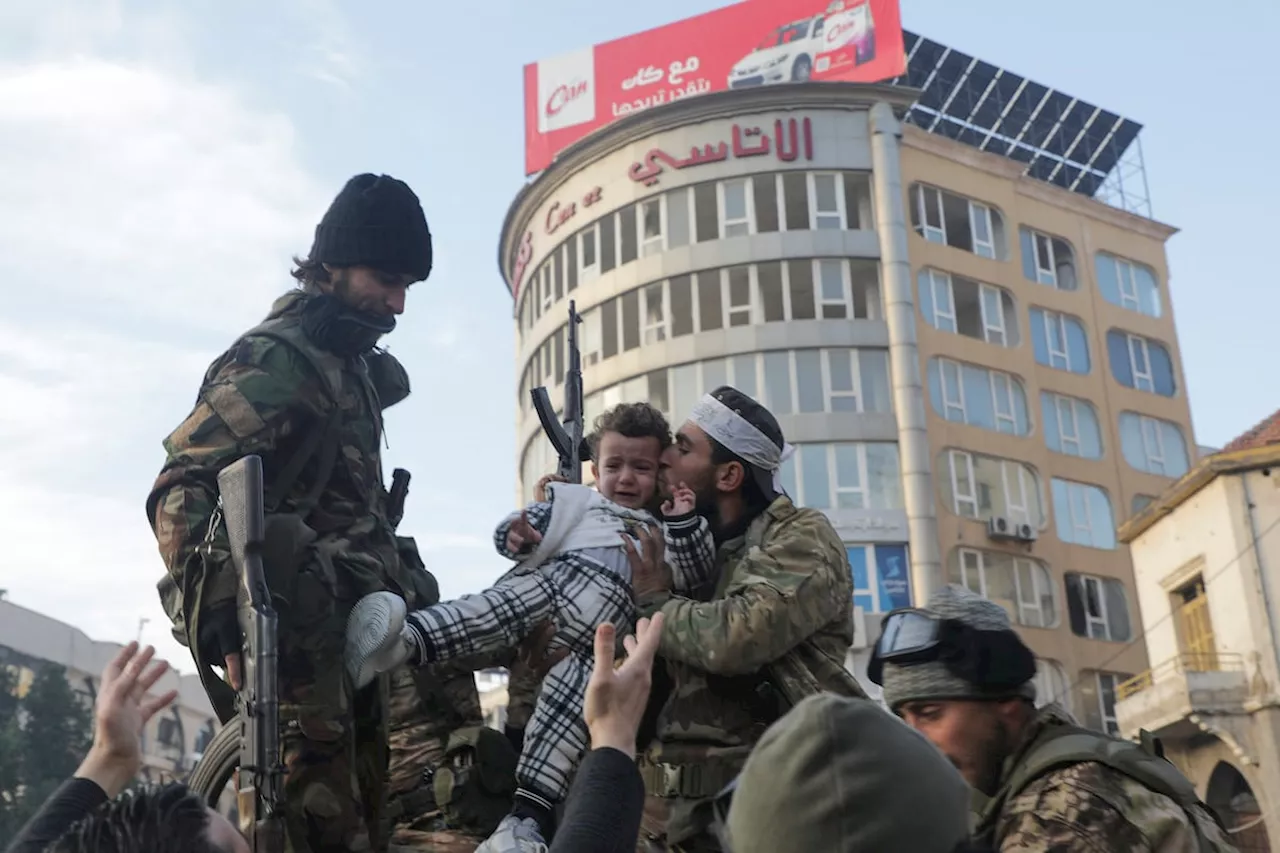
point(558, 213)
point(751, 43)
point(789, 139)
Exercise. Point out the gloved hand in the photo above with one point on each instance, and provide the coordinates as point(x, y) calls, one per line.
point(219, 641)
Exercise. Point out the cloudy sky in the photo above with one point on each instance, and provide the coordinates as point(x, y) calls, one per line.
point(159, 163)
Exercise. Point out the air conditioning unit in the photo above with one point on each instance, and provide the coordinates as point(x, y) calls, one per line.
point(1026, 533)
point(999, 527)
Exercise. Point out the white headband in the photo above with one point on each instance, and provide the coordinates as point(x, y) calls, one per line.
point(741, 437)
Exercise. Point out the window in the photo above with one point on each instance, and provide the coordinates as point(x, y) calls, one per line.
point(962, 306)
point(651, 227)
point(167, 733)
point(590, 341)
point(764, 195)
point(978, 396)
point(864, 280)
point(710, 304)
point(655, 314)
point(1048, 260)
point(859, 215)
point(630, 320)
point(608, 244)
point(706, 213)
point(980, 487)
point(1097, 607)
point(1051, 684)
point(795, 200)
point(845, 475)
point(856, 380)
point(1020, 585)
point(828, 201)
point(589, 261)
point(1127, 284)
point(1139, 503)
point(1099, 691)
point(1140, 363)
point(1070, 426)
point(628, 243)
point(678, 218)
point(1082, 514)
point(1059, 341)
point(680, 290)
point(1153, 445)
point(943, 217)
point(740, 301)
point(544, 278)
point(735, 214)
point(881, 578)
point(833, 292)
point(773, 296)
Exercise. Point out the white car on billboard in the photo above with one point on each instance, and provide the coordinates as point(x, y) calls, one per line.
point(785, 55)
point(792, 52)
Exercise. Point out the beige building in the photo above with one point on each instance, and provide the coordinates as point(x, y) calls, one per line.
point(173, 740)
point(975, 357)
point(1205, 559)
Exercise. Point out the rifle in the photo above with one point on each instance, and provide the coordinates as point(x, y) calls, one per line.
point(567, 438)
point(260, 781)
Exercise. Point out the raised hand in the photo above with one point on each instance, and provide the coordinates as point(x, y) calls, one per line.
point(122, 712)
point(617, 696)
point(522, 534)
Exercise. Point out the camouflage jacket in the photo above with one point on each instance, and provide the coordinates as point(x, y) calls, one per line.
point(1091, 808)
point(777, 627)
point(262, 396)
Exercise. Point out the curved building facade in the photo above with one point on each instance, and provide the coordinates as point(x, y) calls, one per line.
point(978, 369)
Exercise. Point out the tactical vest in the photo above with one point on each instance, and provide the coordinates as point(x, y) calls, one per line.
point(287, 533)
point(1061, 746)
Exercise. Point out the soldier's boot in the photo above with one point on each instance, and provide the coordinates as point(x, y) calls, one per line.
point(378, 640)
point(515, 835)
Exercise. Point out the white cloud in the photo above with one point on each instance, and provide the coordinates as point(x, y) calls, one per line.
point(143, 218)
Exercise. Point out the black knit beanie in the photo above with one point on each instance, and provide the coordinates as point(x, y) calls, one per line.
point(375, 221)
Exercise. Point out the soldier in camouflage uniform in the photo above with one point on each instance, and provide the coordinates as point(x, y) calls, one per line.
point(774, 629)
point(305, 390)
point(959, 674)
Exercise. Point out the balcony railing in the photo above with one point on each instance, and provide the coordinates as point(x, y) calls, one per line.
point(1180, 665)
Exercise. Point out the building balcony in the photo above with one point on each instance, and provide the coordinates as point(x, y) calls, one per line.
point(1173, 699)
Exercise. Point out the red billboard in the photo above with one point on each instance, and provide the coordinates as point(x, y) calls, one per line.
point(752, 43)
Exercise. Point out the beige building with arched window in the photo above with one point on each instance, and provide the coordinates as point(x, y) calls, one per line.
point(979, 367)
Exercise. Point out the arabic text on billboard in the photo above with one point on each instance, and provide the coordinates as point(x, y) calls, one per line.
point(753, 43)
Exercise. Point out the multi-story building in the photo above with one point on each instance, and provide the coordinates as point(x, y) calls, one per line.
point(173, 740)
point(974, 356)
point(1205, 556)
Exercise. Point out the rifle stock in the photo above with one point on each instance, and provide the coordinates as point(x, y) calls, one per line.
point(568, 437)
point(260, 780)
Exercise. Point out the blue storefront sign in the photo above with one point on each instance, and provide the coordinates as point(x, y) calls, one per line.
point(881, 580)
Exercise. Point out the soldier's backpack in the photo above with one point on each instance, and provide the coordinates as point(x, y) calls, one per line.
point(1063, 745)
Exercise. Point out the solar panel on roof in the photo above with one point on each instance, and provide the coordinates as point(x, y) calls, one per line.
point(1063, 140)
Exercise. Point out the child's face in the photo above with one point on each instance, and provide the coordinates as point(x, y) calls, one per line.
point(626, 469)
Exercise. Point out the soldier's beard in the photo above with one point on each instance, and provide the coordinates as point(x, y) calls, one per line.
point(991, 753)
point(341, 328)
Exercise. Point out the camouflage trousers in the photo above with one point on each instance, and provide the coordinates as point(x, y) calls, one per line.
point(333, 745)
point(426, 707)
